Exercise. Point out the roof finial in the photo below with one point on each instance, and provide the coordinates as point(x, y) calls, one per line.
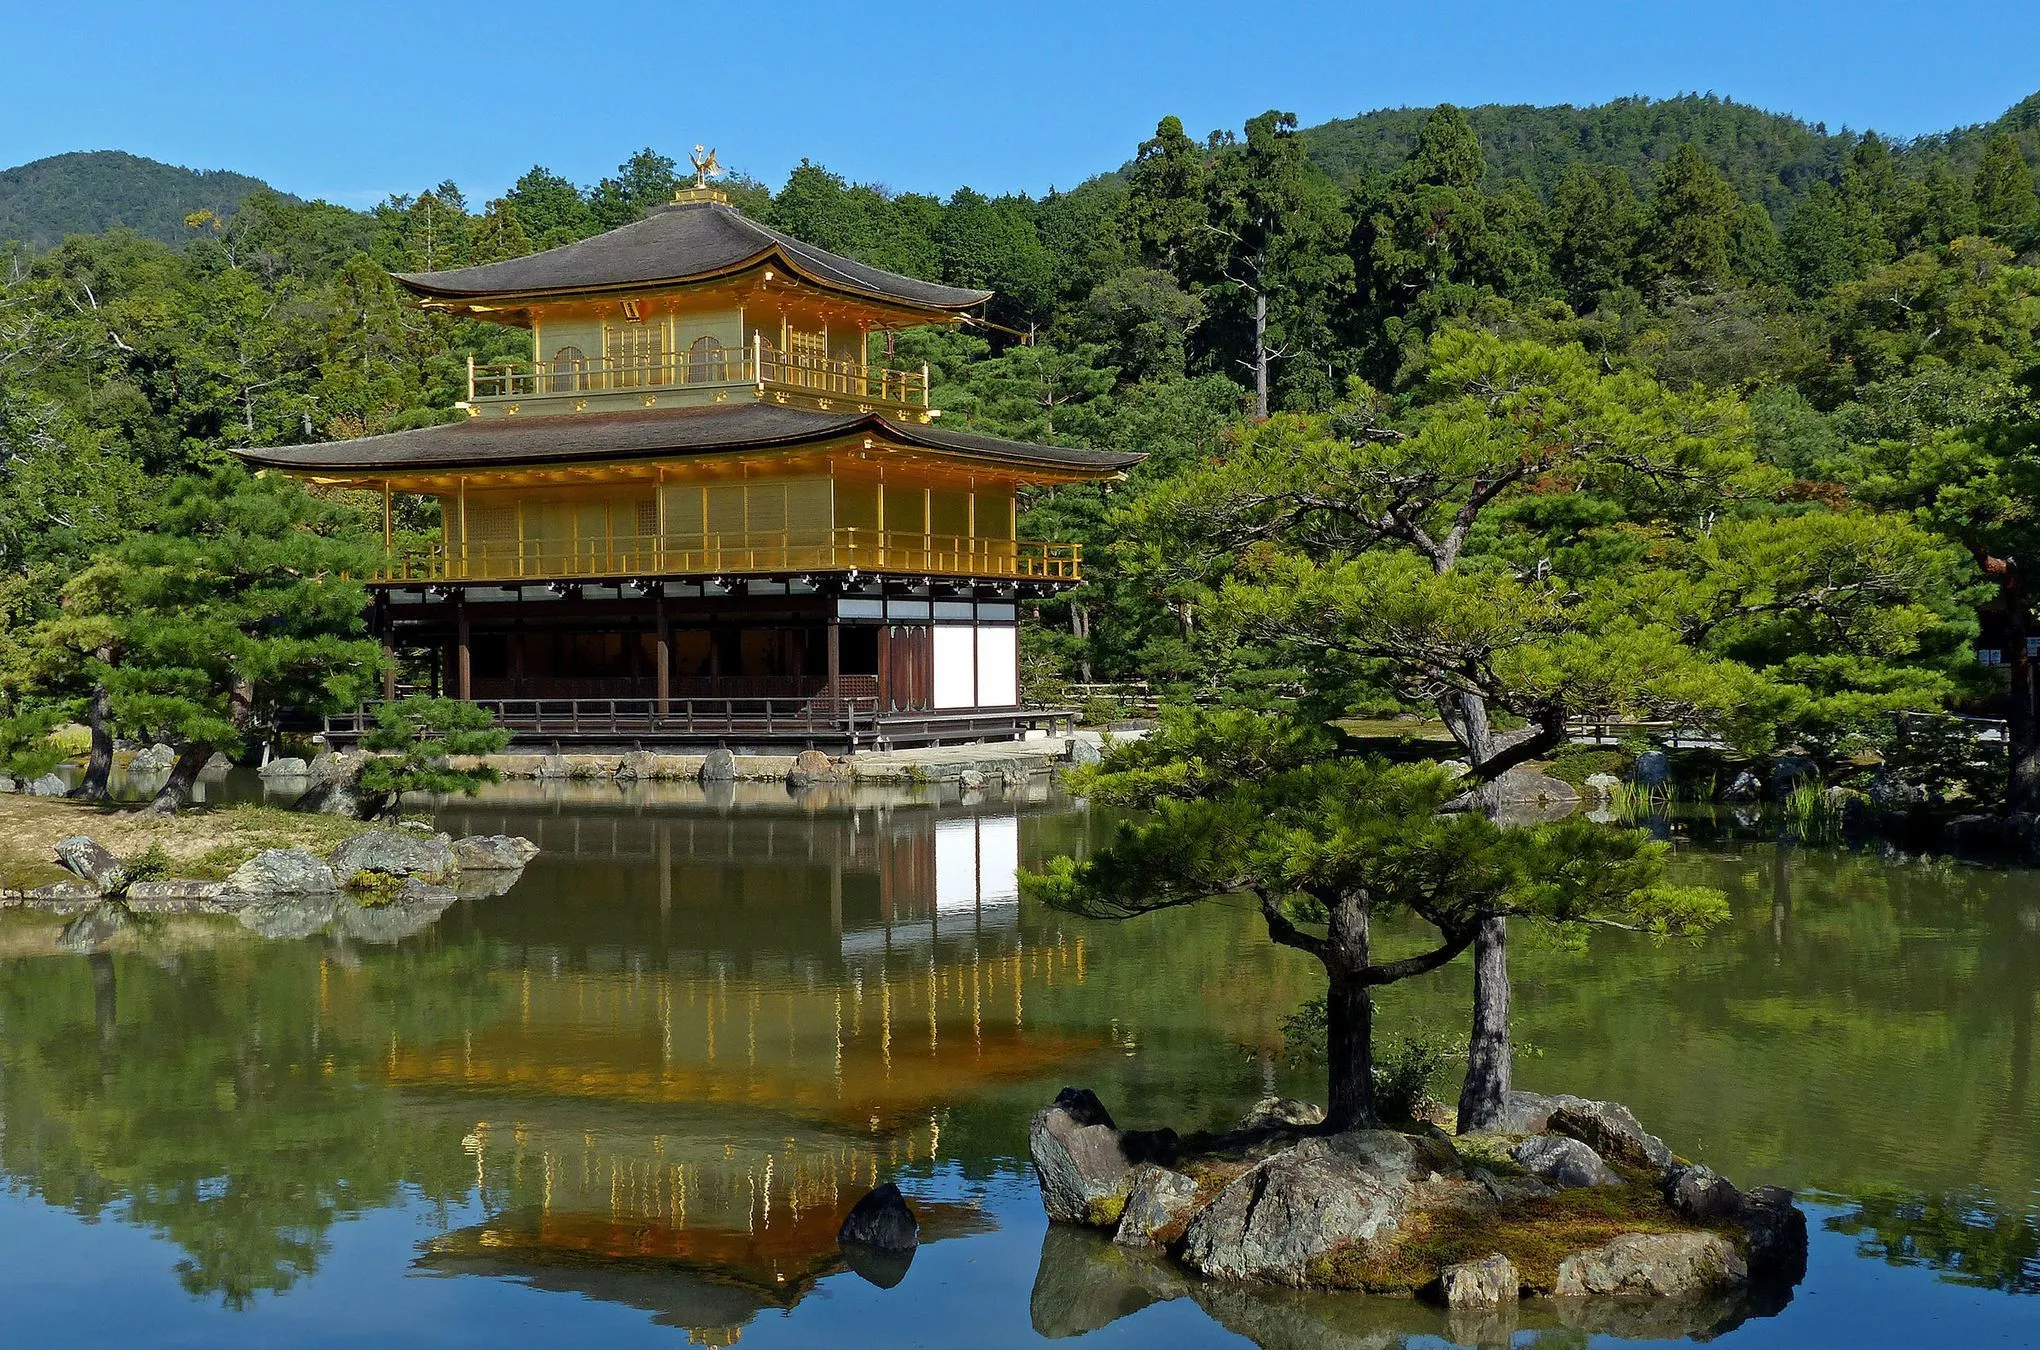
point(706, 166)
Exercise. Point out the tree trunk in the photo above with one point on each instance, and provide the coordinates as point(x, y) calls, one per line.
point(175, 794)
point(99, 768)
point(1485, 1095)
point(1260, 356)
point(1349, 1049)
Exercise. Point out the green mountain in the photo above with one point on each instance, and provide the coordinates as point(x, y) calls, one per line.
point(89, 191)
point(1770, 157)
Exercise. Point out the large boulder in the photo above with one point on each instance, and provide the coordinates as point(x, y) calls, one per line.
point(49, 785)
point(1478, 1284)
point(282, 871)
point(336, 788)
point(1156, 1198)
point(1530, 1112)
point(1775, 1229)
point(1744, 787)
point(1282, 1113)
point(719, 766)
point(392, 853)
point(1603, 785)
point(1701, 1195)
point(62, 897)
point(493, 852)
point(881, 1220)
point(152, 759)
point(1652, 769)
point(1659, 1265)
point(1278, 1221)
point(1086, 750)
point(289, 766)
point(1565, 1163)
point(88, 858)
point(1787, 770)
point(1611, 1130)
point(1079, 1160)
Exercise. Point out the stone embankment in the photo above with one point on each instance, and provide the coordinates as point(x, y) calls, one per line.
point(1575, 1205)
point(969, 766)
point(377, 886)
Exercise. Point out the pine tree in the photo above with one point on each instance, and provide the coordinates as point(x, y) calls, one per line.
point(1692, 222)
point(1165, 213)
point(2006, 206)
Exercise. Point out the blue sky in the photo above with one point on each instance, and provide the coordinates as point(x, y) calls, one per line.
point(355, 101)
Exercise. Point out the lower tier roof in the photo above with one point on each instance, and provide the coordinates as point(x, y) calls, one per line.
point(502, 442)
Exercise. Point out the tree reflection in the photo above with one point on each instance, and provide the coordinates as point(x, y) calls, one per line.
point(1971, 1238)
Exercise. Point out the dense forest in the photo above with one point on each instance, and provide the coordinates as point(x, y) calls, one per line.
point(1842, 328)
point(92, 191)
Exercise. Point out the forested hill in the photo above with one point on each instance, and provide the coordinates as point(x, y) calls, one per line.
point(1769, 157)
point(92, 191)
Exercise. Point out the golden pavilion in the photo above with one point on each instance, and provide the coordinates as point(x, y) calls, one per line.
point(701, 511)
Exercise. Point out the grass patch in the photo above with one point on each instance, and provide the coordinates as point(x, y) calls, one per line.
point(201, 843)
point(1536, 1235)
point(1578, 764)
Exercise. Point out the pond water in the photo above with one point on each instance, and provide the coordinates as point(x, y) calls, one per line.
point(627, 1102)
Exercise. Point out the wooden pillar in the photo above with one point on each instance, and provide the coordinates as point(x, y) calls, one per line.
point(885, 665)
point(387, 632)
point(665, 653)
point(834, 640)
point(463, 666)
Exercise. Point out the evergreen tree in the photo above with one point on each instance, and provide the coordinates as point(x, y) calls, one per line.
point(1165, 208)
point(550, 209)
point(2006, 205)
point(1692, 223)
point(1592, 225)
point(645, 180)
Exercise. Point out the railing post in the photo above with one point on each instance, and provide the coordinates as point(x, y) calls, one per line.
point(927, 393)
point(471, 377)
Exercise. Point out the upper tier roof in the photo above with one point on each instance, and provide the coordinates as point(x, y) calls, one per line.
point(676, 244)
point(519, 442)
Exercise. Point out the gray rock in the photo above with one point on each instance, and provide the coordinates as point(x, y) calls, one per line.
point(93, 929)
point(336, 788)
point(882, 1220)
point(289, 766)
point(391, 853)
point(1530, 1112)
point(1700, 1195)
point(818, 767)
point(1084, 750)
point(1787, 770)
point(87, 858)
point(336, 767)
point(1603, 785)
point(1660, 1265)
point(1744, 787)
point(719, 766)
point(1479, 1284)
point(493, 852)
point(1527, 787)
point(49, 785)
point(1157, 1198)
point(1890, 792)
point(637, 766)
point(1565, 1163)
point(282, 871)
point(554, 767)
point(1275, 1113)
point(1776, 1231)
point(152, 759)
point(1275, 1220)
point(216, 767)
point(175, 896)
point(62, 897)
point(1652, 769)
point(971, 780)
point(9, 783)
point(1611, 1130)
point(286, 916)
point(1079, 1160)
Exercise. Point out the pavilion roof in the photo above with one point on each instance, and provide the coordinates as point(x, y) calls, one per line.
point(677, 244)
point(502, 442)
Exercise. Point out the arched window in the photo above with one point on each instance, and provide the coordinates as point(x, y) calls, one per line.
point(569, 371)
point(705, 363)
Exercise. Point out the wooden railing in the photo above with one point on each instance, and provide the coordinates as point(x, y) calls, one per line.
point(641, 555)
point(756, 364)
point(626, 717)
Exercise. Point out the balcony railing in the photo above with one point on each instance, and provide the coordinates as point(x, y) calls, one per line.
point(725, 366)
point(646, 555)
